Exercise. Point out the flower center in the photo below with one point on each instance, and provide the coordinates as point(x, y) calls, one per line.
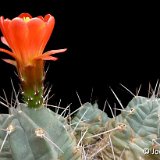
point(26, 19)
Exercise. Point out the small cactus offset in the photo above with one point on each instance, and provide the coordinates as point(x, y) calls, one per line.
point(31, 131)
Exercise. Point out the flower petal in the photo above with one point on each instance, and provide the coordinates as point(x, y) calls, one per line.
point(49, 53)
point(12, 62)
point(4, 25)
point(41, 17)
point(24, 15)
point(8, 52)
point(50, 23)
point(48, 18)
point(50, 58)
point(37, 30)
point(18, 33)
point(3, 40)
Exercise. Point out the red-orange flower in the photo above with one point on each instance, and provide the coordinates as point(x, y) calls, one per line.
point(27, 38)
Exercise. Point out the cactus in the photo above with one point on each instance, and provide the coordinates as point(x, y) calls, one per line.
point(31, 131)
point(32, 137)
point(134, 134)
point(88, 121)
point(129, 134)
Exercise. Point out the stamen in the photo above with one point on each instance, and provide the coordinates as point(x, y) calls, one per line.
point(26, 19)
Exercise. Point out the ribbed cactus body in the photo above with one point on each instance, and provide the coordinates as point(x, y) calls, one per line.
point(89, 119)
point(127, 136)
point(41, 134)
point(37, 134)
point(137, 131)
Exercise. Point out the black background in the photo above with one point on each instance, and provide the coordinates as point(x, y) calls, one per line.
point(108, 44)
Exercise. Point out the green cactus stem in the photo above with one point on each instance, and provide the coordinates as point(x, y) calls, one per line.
point(32, 78)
